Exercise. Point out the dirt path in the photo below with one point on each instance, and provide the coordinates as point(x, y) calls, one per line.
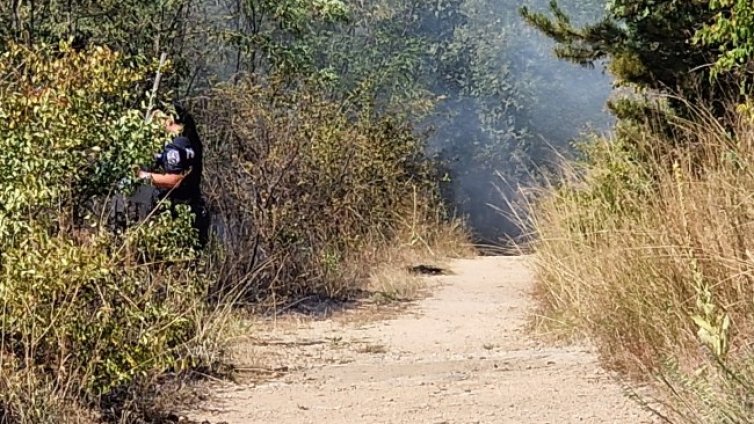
point(459, 356)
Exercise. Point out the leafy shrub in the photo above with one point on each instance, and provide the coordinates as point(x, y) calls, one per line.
point(85, 313)
point(69, 131)
point(98, 315)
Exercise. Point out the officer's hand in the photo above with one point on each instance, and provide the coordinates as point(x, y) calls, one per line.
point(143, 175)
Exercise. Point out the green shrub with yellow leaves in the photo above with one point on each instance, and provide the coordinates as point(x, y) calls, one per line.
point(85, 314)
point(70, 130)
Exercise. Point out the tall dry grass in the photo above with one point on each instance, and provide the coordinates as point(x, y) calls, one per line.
point(650, 254)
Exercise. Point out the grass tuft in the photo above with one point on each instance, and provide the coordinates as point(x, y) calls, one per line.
point(650, 255)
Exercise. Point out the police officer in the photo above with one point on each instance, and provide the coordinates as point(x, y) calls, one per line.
point(177, 174)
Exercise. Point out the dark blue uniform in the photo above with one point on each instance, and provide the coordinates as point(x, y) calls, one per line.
point(184, 156)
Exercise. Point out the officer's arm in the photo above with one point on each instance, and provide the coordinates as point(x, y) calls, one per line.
point(163, 181)
point(176, 167)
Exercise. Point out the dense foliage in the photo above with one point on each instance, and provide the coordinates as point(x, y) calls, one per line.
point(85, 311)
point(698, 52)
point(69, 132)
point(307, 193)
point(731, 30)
point(644, 247)
point(331, 128)
point(468, 71)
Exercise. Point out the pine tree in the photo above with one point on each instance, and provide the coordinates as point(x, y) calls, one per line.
point(650, 46)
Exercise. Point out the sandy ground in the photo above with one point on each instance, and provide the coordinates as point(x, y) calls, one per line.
point(458, 356)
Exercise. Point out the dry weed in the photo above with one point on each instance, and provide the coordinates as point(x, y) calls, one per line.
point(652, 260)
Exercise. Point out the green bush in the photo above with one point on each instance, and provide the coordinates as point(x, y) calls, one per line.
point(92, 312)
point(85, 314)
point(69, 132)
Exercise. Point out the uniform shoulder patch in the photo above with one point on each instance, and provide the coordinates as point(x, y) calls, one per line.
point(173, 157)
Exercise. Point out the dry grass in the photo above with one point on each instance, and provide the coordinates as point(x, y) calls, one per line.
point(418, 243)
point(653, 261)
point(390, 282)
